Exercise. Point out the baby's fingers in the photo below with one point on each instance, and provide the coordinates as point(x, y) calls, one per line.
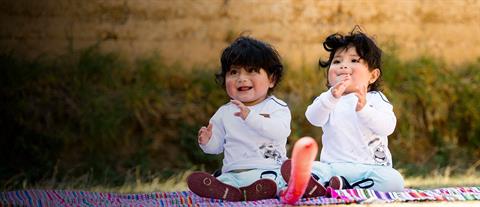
point(202, 129)
point(236, 102)
point(239, 104)
point(362, 89)
point(339, 88)
point(210, 127)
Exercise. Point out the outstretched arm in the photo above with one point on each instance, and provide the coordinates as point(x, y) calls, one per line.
point(211, 138)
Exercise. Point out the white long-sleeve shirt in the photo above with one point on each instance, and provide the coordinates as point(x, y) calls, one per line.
point(258, 142)
point(350, 136)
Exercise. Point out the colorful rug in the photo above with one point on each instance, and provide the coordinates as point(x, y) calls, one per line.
point(187, 198)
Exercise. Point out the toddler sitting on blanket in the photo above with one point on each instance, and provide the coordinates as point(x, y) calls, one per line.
point(356, 119)
point(251, 129)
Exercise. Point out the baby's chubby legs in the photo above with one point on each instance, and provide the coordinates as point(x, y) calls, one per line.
point(385, 178)
point(245, 178)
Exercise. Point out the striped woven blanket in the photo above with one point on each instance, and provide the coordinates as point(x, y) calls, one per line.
point(187, 198)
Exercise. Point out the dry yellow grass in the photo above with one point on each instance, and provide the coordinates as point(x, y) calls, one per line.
point(178, 183)
point(442, 181)
point(436, 180)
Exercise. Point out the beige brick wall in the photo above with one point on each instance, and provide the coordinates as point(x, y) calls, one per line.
point(193, 32)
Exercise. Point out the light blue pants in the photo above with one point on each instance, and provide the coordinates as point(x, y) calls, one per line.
point(245, 178)
point(385, 178)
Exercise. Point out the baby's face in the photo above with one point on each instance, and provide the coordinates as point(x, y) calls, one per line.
point(247, 85)
point(347, 64)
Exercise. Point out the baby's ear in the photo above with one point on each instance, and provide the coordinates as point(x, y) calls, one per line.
point(273, 81)
point(374, 74)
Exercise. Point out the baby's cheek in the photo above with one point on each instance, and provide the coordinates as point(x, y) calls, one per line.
point(332, 80)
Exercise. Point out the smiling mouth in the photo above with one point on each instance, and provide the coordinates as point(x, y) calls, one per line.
point(244, 88)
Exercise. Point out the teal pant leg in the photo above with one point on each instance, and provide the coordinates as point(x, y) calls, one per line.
point(242, 179)
point(230, 178)
point(385, 178)
point(323, 171)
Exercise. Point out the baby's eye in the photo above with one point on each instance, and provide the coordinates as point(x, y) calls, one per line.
point(232, 72)
point(336, 61)
point(251, 69)
point(355, 60)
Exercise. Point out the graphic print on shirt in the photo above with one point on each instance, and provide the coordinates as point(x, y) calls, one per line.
point(377, 149)
point(265, 115)
point(269, 151)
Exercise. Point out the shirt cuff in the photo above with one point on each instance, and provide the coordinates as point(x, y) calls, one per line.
point(208, 146)
point(328, 100)
point(364, 114)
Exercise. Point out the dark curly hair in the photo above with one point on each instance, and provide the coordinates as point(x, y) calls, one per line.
point(253, 55)
point(365, 47)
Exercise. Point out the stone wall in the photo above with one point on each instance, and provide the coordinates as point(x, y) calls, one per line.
point(193, 32)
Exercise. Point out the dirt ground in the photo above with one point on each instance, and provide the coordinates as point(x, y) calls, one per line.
point(194, 32)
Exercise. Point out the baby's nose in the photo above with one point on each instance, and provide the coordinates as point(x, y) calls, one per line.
point(346, 69)
point(343, 66)
point(241, 78)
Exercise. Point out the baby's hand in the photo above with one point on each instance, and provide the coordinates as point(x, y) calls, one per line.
point(243, 113)
point(339, 88)
point(204, 134)
point(361, 93)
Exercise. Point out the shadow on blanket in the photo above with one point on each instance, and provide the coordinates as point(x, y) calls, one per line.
point(187, 198)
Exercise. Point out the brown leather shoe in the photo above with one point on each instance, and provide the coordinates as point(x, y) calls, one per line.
point(336, 182)
point(206, 185)
point(340, 182)
point(260, 189)
point(314, 188)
